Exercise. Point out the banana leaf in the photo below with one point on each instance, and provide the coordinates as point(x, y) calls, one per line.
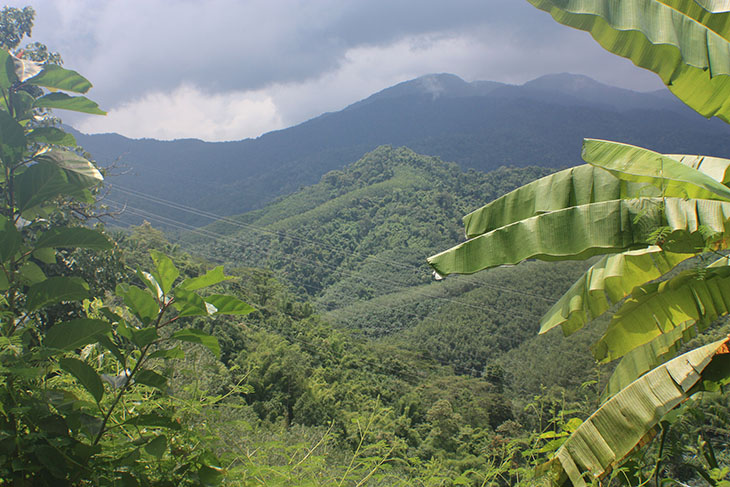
point(627, 419)
point(584, 231)
point(606, 283)
point(650, 355)
point(585, 184)
point(631, 163)
point(658, 308)
point(715, 167)
point(679, 40)
point(575, 186)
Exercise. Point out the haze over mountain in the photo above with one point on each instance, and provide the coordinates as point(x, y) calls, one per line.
point(480, 125)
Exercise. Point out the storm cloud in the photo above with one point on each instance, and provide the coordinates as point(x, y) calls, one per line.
point(226, 69)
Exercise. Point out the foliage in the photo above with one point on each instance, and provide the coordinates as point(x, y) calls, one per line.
point(676, 203)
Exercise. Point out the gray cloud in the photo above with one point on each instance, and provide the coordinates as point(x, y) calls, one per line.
point(317, 49)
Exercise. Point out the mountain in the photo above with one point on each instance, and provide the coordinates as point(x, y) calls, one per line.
point(355, 246)
point(481, 125)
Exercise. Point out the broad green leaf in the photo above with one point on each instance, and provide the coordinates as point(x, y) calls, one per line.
point(143, 336)
point(228, 305)
point(56, 77)
point(617, 427)
point(642, 359)
point(140, 302)
point(658, 308)
point(73, 237)
point(157, 446)
point(606, 283)
point(10, 238)
point(192, 335)
point(30, 273)
point(73, 164)
point(165, 271)
point(686, 45)
point(189, 303)
point(576, 186)
point(152, 379)
point(85, 374)
point(213, 276)
point(51, 135)
point(55, 290)
point(12, 139)
point(640, 165)
point(65, 102)
point(40, 183)
point(7, 70)
point(584, 231)
point(210, 475)
point(45, 255)
point(76, 333)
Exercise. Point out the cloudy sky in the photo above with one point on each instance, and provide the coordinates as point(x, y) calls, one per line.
point(232, 69)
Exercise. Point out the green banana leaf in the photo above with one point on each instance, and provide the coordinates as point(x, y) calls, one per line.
point(606, 283)
point(640, 165)
point(629, 417)
point(583, 231)
point(585, 184)
point(679, 40)
point(660, 307)
point(641, 360)
point(575, 186)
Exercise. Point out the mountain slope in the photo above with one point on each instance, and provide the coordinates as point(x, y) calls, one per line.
point(480, 125)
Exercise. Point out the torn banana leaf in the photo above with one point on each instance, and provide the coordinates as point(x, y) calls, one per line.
point(584, 231)
point(628, 418)
point(679, 40)
point(606, 283)
point(658, 308)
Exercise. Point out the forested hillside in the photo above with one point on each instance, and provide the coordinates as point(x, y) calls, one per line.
point(478, 125)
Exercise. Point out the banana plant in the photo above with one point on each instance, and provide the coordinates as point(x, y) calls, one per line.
point(647, 212)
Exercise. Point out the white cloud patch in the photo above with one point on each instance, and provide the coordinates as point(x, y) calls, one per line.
point(188, 112)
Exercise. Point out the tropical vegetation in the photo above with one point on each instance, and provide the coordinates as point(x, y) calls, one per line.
point(647, 213)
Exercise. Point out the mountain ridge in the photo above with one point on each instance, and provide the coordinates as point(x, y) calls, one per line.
point(541, 123)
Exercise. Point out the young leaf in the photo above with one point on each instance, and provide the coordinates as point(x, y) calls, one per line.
point(76, 333)
point(56, 77)
point(142, 304)
point(45, 255)
point(73, 237)
point(165, 271)
point(66, 102)
point(210, 278)
point(192, 335)
point(144, 337)
point(86, 376)
point(54, 290)
point(189, 303)
point(228, 305)
point(157, 446)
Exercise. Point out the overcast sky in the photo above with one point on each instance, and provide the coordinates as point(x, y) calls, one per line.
point(232, 69)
